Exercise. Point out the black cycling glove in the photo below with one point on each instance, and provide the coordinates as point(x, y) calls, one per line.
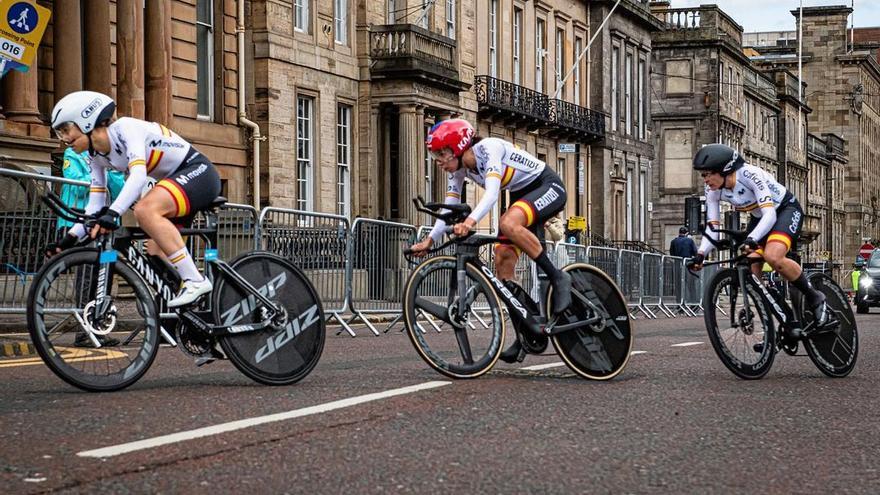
point(64, 242)
point(698, 259)
point(750, 243)
point(109, 220)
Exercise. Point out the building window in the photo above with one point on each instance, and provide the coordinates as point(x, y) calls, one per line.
point(560, 170)
point(205, 59)
point(304, 152)
point(643, 205)
point(730, 83)
point(540, 52)
point(517, 45)
point(450, 19)
point(392, 10)
point(628, 93)
point(343, 160)
point(340, 21)
point(720, 80)
point(615, 64)
point(301, 15)
point(560, 59)
point(493, 38)
point(578, 47)
point(425, 13)
point(642, 99)
point(677, 159)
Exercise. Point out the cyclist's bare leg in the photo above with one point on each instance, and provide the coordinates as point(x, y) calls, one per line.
point(774, 254)
point(505, 261)
point(513, 226)
point(153, 212)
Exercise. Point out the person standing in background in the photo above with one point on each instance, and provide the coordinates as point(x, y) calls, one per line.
point(76, 167)
point(682, 245)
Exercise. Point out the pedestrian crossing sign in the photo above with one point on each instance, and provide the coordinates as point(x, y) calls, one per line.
point(22, 24)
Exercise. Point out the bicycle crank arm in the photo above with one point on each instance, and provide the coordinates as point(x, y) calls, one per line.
point(555, 329)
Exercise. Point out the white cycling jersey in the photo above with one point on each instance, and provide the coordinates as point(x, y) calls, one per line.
point(142, 149)
point(756, 192)
point(500, 166)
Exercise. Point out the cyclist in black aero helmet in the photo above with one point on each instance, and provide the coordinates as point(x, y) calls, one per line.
point(776, 218)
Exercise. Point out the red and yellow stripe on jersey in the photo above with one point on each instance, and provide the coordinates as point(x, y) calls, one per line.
point(776, 236)
point(180, 198)
point(527, 209)
point(156, 155)
point(508, 174)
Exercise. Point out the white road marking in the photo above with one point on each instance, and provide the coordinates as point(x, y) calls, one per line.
point(686, 344)
point(182, 436)
point(635, 353)
point(539, 367)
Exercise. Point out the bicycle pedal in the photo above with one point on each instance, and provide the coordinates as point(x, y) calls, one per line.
point(205, 360)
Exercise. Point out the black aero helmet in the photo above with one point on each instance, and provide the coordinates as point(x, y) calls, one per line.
point(718, 158)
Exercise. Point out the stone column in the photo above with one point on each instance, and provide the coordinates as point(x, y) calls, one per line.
point(67, 47)
point(97, 47)
point(409, 174)
point(20, 94)
point(157, 61)
point(130, 58)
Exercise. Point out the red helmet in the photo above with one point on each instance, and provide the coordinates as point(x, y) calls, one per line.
point(455, 134)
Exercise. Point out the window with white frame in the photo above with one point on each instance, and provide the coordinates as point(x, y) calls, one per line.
point(343, 160)
point(425, 13)
point(301, 15)
point(493, 38)
point(730, 83)
point(340, 21)
point(517, 45)
point(304, 152)
point(615, 67)
point(628, 75)
point(560, 170)
point(450, 19)
point(578, 46)
point(560, 58)
point(641, 99)
point(540, 52)
point(205, 59)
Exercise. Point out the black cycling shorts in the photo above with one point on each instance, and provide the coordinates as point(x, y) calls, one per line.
point(540, 200)
point(194, 185)
point(788, 226)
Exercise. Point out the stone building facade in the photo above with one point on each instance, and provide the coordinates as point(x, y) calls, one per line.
point(703, 91)
point(524, 50)
point(725, 97)
point(623, 171)
point(169, 61)
point(845, 99)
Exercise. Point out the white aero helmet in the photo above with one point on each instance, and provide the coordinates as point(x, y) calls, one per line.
point(86, 109)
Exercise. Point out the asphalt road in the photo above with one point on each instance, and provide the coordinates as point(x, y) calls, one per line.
point(675, 420)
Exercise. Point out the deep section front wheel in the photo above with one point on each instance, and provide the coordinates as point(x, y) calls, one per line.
point(287, 351)
point(66, 322)
point(459, 342)
point(739, 325)
point(598, 350)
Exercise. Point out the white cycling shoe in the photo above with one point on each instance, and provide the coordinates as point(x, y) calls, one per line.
point(191, 292)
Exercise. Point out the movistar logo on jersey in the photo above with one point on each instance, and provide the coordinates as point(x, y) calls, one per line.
point(184, 178)
point(158, 143)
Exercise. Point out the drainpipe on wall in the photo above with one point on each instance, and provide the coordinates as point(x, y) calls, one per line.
point(242, 114)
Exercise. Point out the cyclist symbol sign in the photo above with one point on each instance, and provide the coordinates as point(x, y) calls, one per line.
point(21, 28)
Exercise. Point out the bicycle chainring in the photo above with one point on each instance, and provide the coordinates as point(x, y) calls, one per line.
point(192, 342)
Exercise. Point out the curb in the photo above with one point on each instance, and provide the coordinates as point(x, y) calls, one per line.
point(17, 349)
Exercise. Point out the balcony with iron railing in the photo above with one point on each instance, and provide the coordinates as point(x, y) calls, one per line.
point(408, 51)
point(517, 105)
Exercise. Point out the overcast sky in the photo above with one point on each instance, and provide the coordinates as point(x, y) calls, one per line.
point(775, 15)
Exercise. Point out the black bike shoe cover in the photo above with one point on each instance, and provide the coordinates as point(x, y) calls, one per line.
point(561, 292)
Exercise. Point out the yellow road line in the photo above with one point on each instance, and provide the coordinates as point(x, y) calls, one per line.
point(70, 355)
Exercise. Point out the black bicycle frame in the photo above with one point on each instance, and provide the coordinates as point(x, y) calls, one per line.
point(159, 274)
point(539, 324)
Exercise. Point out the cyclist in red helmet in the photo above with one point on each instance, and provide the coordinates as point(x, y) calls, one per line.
point(536, 195)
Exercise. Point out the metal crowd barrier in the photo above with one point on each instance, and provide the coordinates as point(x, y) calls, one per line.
point(26, 226)
point(652, 284)
point(673, 282)
point(630, 272)
point(319, 245)
point(378, 270)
